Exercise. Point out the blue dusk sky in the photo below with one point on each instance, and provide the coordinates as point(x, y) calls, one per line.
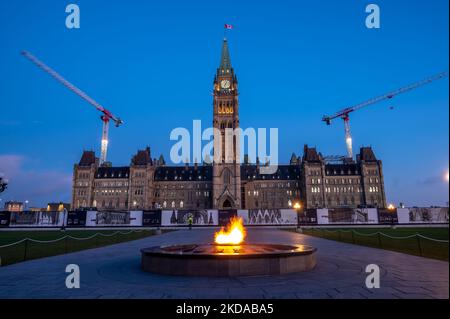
point(152, 63)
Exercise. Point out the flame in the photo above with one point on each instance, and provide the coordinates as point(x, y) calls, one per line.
point(233, 234)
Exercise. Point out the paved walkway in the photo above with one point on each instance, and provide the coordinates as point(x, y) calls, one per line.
point(114, 272)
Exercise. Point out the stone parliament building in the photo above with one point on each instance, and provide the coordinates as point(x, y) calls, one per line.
point(148, 183)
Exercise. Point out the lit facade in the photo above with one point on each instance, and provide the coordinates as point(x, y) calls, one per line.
point(148, 183)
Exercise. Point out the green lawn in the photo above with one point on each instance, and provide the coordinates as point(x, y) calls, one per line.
point(431, 232)
point(415, 245)
point(29, 249)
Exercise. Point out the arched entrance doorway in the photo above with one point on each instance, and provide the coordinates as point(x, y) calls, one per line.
point(227, 204)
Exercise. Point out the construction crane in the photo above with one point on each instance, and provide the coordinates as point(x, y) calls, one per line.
point(344, 113)
point(105, 117)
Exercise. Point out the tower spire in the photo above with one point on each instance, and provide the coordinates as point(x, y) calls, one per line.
point(225, 61)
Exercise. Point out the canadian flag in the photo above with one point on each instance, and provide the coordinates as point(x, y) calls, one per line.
point(228, 26)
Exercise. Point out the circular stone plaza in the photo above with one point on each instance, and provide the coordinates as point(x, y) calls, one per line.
point(340, 272)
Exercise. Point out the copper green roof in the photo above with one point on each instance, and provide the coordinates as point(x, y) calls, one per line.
point(225, 61)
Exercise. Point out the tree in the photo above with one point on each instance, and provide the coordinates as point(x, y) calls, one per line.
point(3, 184)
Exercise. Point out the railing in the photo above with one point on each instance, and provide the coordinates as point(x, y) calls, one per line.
point(415, 244)
point(28, 248)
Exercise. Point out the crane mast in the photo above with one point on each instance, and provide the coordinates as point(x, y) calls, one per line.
point(344, 113)
point(105, 117)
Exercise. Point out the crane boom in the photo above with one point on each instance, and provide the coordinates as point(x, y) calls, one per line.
point(107, 115)
point(344, 112)
point(71, 87)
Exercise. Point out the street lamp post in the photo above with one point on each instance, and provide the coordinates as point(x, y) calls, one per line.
point(391, 208)
point(297, 206)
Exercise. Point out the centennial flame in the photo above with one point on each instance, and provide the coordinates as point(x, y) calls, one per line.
point(233, 234)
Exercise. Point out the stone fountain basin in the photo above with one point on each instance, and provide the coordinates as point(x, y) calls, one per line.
point(228, 260)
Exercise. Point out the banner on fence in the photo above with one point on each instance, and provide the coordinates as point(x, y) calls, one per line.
point(36, 219)
point(113, 218)
point(387, 216)
point(403, 215)
point(428, 215)
point(344, 216)
point(156, 218)
point(322, 216)
point(353, 216)
point(151, 218)
point(5, 218)
point(178, 217)
point(76, 219)
point(226, 215)
point(307, 217)
point(372, 215)
point(268, 216)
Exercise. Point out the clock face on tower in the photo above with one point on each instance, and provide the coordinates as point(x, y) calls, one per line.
point(225, 84)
